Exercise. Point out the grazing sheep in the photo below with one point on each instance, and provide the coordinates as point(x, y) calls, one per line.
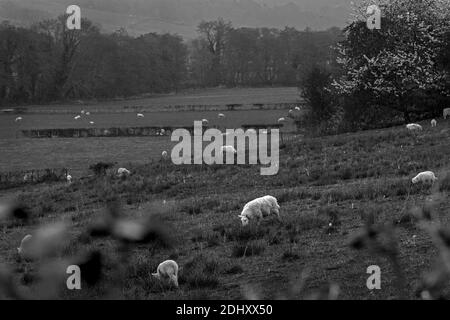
point(433, 123)
point(123, 172)
point(446, 113)
point(23, 250)
point(77, 117)
point(259, 208)
point(164, 154)
point(221, 115)
point(167, 270)
point(140, 115)
point(281, 120)
point(228, 149)
point(27, 177)
point(18, 119)
point(414, 127)
point(425, 177)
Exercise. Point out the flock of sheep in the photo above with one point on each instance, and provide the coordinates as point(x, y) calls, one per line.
point(255, 210)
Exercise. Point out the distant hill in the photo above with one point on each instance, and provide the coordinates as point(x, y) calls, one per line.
point(182, 16)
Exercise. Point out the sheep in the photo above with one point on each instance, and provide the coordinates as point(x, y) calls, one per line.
point(23, 250)
point(163, 132)
point(228, 149)
point(164, 154)
point(297, 108)
point(414, 127)
point(425, 177)
point(91, 122)
point(69, 178)
point(167, 270)
point(446, 112)
point(18, 119)
point(77, 117)
point(221, 115)
point(82, 112)
point(88, 113)
point(433, 123)
point(123, 172)
point(281, 120)
point(27, 177)
point(140, 115)
point(259, 208)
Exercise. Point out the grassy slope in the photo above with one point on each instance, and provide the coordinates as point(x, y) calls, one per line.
point(338, 178)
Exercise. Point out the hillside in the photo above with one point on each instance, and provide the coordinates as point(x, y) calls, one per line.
point(327, 188)
point(182, 16)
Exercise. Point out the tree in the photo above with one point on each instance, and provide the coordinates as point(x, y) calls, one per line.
point(395, 66)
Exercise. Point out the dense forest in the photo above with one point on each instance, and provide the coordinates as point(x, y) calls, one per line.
point(47, 62)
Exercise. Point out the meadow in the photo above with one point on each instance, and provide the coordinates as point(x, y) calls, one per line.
point(19, 153)
point(329, 188)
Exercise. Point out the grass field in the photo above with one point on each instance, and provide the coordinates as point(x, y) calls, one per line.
point(342, 180)
point(77, 154)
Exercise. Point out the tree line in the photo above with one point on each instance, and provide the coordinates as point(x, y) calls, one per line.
point(47, 62)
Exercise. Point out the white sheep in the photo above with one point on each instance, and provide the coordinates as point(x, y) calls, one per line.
point(123, 172)
point(82, 112)
point(446, 113)
point(24, 248)
point(140, 115)
point(260, 208)
point(424, 177)
point(27, 177)
point(18, 119)
point(297, 108)
point(228, 149)
point(167, 270)
point(414, 127)
point(221, 115)
point(77, 117)
point(281, 120)
point(164, 154)
point(91, 122)
point(69, 178)
point(88, 113)
point(433, 123)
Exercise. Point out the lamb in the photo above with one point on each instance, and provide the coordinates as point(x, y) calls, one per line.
point(123, 172)
point(23, 250)
point(433, 123)
point(259, 208)
point(140, 115)
point(414, 127)
point(167, 270)
point(228, 149)
point(425, 177)
point(446, 113)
